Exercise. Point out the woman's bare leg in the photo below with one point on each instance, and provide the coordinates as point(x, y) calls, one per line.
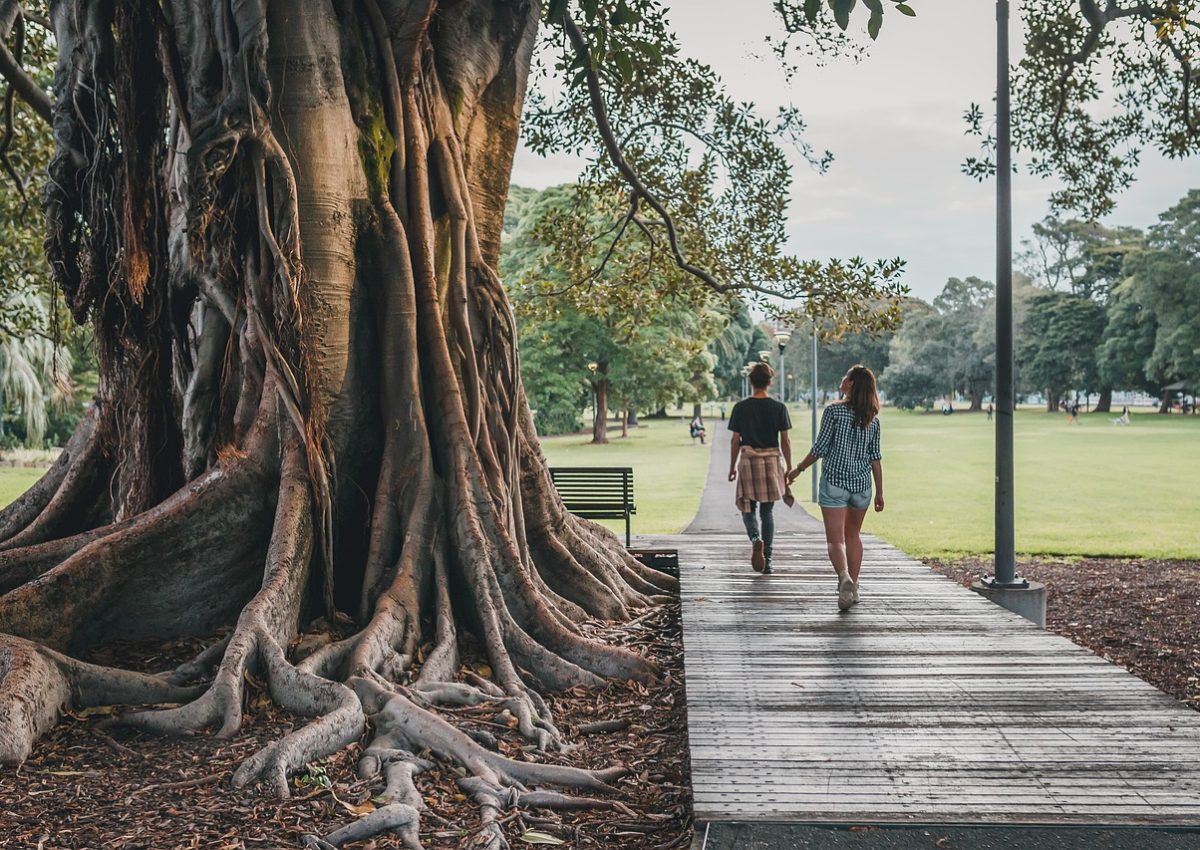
point(835, 538)
point(854, 546)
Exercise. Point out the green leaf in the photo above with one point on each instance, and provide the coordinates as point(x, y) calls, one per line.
point(874, 24)
point(624, 16)
point(841, 11)
point(555, 10)
point(875, 6)
point(812, 8)
point(534, 837)
point(624, 65)
point(905, 9)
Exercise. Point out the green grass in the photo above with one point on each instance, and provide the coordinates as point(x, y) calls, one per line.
point(1088, 489)
point(15, 480)
point(668, 471)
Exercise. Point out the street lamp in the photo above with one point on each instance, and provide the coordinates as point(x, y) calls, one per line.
point(1005, 546)
point(764, 356)
point(814, 405)
point(781, 339)
point(592, 367)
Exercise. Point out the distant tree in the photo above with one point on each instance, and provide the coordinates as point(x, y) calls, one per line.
point(919, 357)
point(1057, 347)
point(1165, 283)
point(1130, 332)
point(739, 342)
point(1086, 259)
point(969, 335)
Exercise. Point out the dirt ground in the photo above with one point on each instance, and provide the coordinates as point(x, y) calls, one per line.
point(90, 787)
point(1141, 614)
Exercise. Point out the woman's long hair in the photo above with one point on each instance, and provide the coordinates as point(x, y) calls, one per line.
point(863, 398)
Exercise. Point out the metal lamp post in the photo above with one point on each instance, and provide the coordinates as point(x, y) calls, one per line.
point(781, 339)
point(592, 367)
point(814, 405)
point(1005, 576)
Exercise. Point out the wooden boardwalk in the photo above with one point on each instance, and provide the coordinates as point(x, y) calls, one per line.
point(924, 703)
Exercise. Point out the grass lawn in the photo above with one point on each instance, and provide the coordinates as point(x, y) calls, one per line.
point(15, 480)
point(1088, 489)
point(668, 471)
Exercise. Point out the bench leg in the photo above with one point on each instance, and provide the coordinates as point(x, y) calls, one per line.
point(627, 538)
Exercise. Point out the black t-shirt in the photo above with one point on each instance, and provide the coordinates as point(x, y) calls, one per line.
point(759, 421)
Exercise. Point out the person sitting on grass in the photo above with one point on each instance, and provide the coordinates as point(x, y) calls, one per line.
point(760, 426)
point(849, 442)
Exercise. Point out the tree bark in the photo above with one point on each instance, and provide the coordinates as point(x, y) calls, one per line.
point(283, 222)
point(1104, 403)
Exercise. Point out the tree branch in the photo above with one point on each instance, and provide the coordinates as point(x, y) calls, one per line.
point(10, 68)
point(640, 189)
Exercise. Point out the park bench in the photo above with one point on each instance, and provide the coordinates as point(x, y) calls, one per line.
point(597, 492)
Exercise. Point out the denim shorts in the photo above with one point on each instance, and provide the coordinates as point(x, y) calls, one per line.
point(833, 496)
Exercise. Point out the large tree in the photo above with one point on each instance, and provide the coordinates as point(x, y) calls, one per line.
point(283, 220)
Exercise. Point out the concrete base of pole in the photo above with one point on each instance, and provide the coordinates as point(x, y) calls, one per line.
point(1029, 602)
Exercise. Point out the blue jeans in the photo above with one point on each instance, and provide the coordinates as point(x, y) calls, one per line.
point(767, 511)
point(832, 496)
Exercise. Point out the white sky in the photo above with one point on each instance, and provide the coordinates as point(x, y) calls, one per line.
point(893, 123)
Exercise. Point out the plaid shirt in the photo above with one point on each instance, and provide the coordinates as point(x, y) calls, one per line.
point(847, 450)
point(759, 477)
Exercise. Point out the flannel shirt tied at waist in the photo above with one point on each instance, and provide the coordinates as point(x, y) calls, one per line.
point(759, 477)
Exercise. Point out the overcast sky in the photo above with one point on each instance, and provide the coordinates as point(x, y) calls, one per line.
point(894, 125)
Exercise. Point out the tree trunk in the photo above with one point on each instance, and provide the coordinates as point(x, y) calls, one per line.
point(1165, 405)
point(1051, 401)
point(600, 420)
point(696, 410)
point(976, 401)
point(631, 415)
point(283, 224)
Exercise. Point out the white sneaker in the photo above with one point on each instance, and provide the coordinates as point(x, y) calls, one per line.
point(845, 594)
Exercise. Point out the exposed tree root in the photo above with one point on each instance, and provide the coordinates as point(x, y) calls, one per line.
point(37, 683)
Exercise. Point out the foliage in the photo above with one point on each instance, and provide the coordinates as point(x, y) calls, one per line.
point(649, 341)
point(1165, 283)
point(1057, 349)
point(1083, 257)
point(945, 348)
point(700, 179)
point(1100, 80)
point(736, 345)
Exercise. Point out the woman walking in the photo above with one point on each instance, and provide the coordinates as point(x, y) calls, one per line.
point(759, 425)
point(849, 443)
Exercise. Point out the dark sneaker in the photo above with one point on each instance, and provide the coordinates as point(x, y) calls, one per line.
point(767, 569)
point(757, 559)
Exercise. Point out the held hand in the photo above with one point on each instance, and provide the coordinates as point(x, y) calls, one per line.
point(878, 502)
point(732, 474)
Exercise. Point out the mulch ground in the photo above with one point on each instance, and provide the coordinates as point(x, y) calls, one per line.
point(87, 787)
point(1141, 614)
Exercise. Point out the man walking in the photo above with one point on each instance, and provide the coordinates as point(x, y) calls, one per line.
point(760, 441)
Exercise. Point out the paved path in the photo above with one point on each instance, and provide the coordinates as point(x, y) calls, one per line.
point(923, 704)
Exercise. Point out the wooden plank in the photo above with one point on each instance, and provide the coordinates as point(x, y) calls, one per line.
point(923, 703)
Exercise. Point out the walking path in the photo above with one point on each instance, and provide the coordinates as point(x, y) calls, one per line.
point(923, 704)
